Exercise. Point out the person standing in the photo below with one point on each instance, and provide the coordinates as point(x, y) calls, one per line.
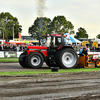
point(80, 50)
point(85, 52)
point(1, 47)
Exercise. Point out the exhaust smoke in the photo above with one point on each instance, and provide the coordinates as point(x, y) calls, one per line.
point(40, 13)
point(40, 7)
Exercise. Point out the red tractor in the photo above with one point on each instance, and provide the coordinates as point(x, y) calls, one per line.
point(55, 53)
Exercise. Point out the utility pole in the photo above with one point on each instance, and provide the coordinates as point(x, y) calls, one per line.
point(13, 32)
point(3, 34)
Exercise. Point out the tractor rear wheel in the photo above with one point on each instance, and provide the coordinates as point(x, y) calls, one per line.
point(67, 58)
point(34, 60)
point(22, 59)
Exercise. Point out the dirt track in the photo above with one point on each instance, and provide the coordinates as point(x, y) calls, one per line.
point(74, 86)
point(16, 67)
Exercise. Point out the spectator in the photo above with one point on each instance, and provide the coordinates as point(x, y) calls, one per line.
point(88, 49)
point(18, 48)
point(94, 48)
point(11, 48)
point(5, 47)
point(98, 49)
point(8, 47)
point(14, 47)
point(1, 47)
point(80, 50)
point(91, 49)
point(21, 48)
point(84, 52)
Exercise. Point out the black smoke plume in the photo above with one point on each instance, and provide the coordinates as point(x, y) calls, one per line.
point(40, 13)
point(41, 7)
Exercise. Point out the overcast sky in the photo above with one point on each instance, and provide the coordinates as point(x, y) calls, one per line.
point(82, 13)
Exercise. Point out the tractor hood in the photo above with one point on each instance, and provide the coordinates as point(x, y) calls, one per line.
point(36, 47)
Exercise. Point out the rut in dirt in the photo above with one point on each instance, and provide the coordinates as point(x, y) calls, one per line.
point(52, 87)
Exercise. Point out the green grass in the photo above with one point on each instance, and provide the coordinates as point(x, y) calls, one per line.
point(48, 71)
point(8, 59)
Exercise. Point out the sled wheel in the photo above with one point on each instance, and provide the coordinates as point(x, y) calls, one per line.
point(97, 63)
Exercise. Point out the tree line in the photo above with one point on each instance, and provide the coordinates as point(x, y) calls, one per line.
point(40, 27)
point(7, 22)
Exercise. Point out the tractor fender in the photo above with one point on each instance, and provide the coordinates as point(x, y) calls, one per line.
point(40, 53)
point(64, 47)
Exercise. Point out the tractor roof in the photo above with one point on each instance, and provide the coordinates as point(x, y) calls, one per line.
point(56, 35)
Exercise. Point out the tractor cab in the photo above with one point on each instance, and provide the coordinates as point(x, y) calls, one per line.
point(55, 40)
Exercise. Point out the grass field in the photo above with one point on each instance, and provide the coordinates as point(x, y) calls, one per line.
point(49, 71)
point(8, 59)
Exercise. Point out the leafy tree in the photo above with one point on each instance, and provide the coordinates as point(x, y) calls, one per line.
point(60, 24)
point(6, 25)
point(98, 36)
point(43, 25)
point(81, 33)
point(40, 27)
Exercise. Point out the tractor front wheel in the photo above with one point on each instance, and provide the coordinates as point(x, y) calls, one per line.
point(22, 59)
point(34, 60)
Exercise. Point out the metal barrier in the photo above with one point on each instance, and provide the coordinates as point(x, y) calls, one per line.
point(6, 54)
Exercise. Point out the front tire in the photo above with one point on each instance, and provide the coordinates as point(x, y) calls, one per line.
point(67, 58)
point(22, 59)
point(34, 60)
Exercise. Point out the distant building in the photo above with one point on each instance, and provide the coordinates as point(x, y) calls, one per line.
point(27, 38)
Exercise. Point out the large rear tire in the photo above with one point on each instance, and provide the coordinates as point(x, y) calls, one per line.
point(67, 58)
point(22, 59)
point(34, 60)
